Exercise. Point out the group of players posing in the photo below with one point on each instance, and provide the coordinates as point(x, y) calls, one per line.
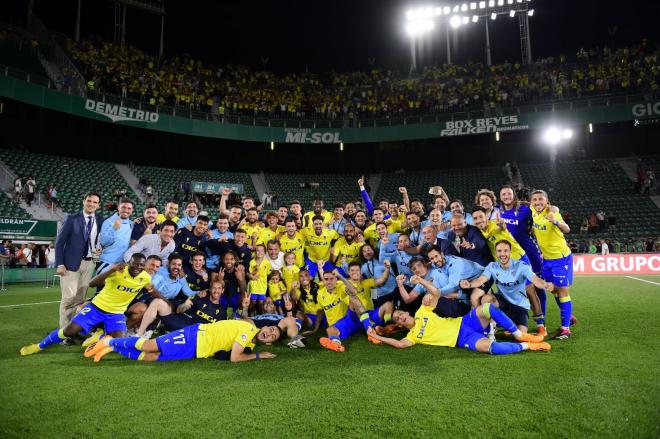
point(448, 277)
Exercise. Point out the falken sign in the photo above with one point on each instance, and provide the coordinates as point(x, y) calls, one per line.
point(484, 125)
point(118, 113)
point(307, 135)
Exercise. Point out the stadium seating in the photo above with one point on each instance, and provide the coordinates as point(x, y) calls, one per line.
point(9, 208)
point(20, 56)
point(166, 182)
point(332, 188)
point(73, 177)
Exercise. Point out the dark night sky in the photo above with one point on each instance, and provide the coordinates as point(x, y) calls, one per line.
point(343, 34)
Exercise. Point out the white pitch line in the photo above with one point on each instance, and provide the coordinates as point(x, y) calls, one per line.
point(644, 280)
point(36, 303)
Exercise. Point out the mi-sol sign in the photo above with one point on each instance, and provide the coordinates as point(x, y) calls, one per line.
point(308, 135)
point(624, 263)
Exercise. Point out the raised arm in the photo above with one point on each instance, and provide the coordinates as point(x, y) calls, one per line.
point(386, 274)
point(365, 197)
point(100, 279)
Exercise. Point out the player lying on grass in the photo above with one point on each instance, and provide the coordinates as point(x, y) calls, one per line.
point(511, 277)
point(469, 331)
point(122, 284)
point(345, 312)
point(269, 317)
point(225, 339)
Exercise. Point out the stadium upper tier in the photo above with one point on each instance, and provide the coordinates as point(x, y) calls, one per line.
point(187, 83)
point(332, 188)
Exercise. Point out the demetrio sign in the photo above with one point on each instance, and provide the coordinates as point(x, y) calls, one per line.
point(621, 263)
point(369, 132)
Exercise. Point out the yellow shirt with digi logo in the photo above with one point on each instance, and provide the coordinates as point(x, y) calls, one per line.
point(221, 336)
point(119, 290)
point(335, 304)
point(433, 330)
point(318, 247)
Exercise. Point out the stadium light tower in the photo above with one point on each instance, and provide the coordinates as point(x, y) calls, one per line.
point(417, 26)
point(153, 6)
point(456, 15)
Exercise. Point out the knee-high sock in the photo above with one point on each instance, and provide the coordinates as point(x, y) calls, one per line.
point(366, 322)
point(126, 342)
point(128, 352)
point(543, 299)
point(565, 310)
point(493, 312)
point(57, 336)
point(503, 348)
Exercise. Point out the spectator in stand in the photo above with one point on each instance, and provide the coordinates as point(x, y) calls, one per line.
point(18, 189)
point(639, 245)
point(593, 223)
point(584, 227)
point(49, 251)
point(602, 220)
point(649, 245)
point(592, 248)
point(30, 189)
point(656, 246)
point(604, 248)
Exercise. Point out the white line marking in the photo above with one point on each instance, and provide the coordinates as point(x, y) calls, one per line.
point(36, 303)
point(644, 280)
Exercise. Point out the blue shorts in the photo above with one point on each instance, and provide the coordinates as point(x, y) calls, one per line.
point(90, 316)
point(178, 345)
point(350, 323)
point(312, 268)
point(174, 322)
point(233, 301)
point(535, 258)
point(312, 318)
point(255, 296)
point(471, 331)
point(279, 302)
point(517, 314)
point(559, 271)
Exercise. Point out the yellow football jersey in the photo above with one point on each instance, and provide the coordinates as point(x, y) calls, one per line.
point(221, 336)
point(318, 247)
point(494, 234)
point(267, 234)
point(276, 290)
point(295, 245)
point(344, 249)
point(251, 230)
point(309, 303)
point(161, 218)
point(259, 286)
point(433, 330)
point(290, 274)
point(335, 304)
point(119, 290)
point(307, 218)
point(550, 238)
point(364, 292)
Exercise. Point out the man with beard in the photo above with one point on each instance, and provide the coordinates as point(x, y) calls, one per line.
point(237, 245)
point(414, 229)
point(233, 275)
point(170, 213)
point(467, 242)
point(346, 249)
point(293, 241)
point(189, 241)
point(190, 219)
point(115, 237)
point(372, 268)
point(271, 231)
point(338, 221)
point(282, 215)
point(222, 233)
point(251, 226)
point(318, 210)
point(146, 225)
point(295, 210)
point(318, 242)
point(160, 244)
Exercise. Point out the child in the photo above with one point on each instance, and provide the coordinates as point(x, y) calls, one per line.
point(290, 271)
point(276, 289)
point(258, 283)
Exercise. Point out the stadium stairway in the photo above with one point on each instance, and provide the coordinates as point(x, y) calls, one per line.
point(629, 166)
point(131, 179)
point(260, 184)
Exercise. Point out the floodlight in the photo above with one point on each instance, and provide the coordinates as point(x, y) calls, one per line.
point(512, 13)
point(446, 10)
point(491, 3)
point(272, 145)
point(475, 19)
point(567, 133)
point(497, 136)
point(466, 20)
point(482, 5)
point(438, 11)
point(473, 6)
point(456, 8)
point(554, 135)
point(464, 7)
point(455, 21)
point(500, 2)
point(510, 2)
point(409, 14)
point(341, 146)
point(530, 12)
point(519, 1)
point(493, 16)
point(591, 128)
point(418, 27)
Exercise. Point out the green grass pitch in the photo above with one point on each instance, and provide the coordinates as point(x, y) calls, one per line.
point(604, 382)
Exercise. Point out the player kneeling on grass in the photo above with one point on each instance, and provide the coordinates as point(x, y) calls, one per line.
point(269, 317)
point(122, 284)
point(226, 339)
point(511, 277)
point(345, 312)
point(469, 331)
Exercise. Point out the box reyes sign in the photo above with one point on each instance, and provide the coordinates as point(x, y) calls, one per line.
point(624, 263)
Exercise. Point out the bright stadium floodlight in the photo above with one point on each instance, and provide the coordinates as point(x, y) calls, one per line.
point(455, 21)
point(464, 7)
point(497, 136)
point(410, 14)
point(475, 18)
point(510, 2)
point(446, 10)
point(591, 128)
point(530, 12)
point(482, 5)
point(419, 27)
point(473, 6)
point(341, 146)
point(465, 20)
point(456, 8)
point(491, 3)
point(553, 135)
point(493, 16)
point(512, 13)
point(500, 2)
point(272, 145)
point(438, 11)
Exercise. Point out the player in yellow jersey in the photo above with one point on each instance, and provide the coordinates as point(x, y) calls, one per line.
point(252, 226)
point(171, 213)
point(347, 248)
point(318, 242)
point(363, 287)
point(258, 272)
point(273, 231)
point(305, 294)
point(371, 233)
point(225, 339)
point(293, 241)
point(122, 284)
point(469, 331)
point(345, 312)
point(549, 228)
point(308, 217)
